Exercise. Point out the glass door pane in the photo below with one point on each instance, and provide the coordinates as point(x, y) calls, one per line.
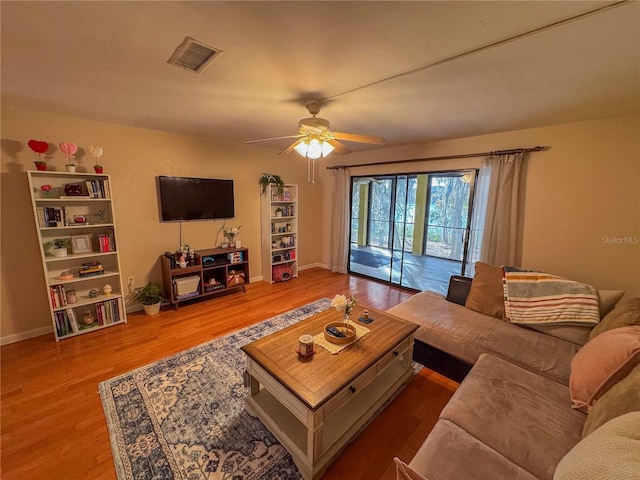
point(371, 227)
point(416, 228)
point(399, 229)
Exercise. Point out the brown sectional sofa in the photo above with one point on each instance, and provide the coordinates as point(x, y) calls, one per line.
point(512, 416)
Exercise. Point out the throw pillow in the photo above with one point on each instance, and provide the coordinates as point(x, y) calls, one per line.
point(608, 300)
point(405, 472)
point(623, 397)
point(609, 453)
point(486, 294)
point(623, 315)
point(601, 363)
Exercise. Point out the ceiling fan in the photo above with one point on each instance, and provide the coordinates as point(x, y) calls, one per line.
point(315, 138)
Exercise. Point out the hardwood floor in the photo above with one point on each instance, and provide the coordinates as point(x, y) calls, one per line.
point(53, 426)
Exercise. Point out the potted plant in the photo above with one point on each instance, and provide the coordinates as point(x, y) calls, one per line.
point(151, 296)
point(96, 153)
point(268, 179)
point(278, 212)
point(40, 165)
point(69, 150)
point(59, 246)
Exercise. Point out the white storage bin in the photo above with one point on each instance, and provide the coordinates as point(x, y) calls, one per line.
point(186, 285)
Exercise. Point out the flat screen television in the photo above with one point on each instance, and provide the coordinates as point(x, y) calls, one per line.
point(186, 198)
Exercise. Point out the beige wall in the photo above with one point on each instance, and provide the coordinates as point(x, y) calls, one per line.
point(582, 212)
point(133, 157)
point(582, 198)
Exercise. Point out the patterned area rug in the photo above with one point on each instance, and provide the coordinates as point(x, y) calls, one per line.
point(183, 417)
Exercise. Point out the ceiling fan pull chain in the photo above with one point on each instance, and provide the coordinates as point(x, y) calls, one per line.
point(311, 170)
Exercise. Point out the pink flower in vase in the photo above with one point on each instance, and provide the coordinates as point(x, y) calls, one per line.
point(46, 190)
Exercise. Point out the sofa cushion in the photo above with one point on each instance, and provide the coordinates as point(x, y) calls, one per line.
point(623, 315)
point(405, 472)
point(466, 334)
point(601, 363)
point(577, 334)
point(486, 294)
point(608, 300)
point(524, 416)
point(440, 456)
point(609, 453)
point(623, 397)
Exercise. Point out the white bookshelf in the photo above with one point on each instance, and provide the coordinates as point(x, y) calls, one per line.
point(279, 213)
point(87, 220)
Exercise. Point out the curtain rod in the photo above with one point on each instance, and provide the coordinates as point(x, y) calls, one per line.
point(446, 157)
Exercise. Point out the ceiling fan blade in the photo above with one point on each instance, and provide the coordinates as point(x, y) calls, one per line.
point(338, 147)
point(290, 148)
point(273, 138)
point(353, 137)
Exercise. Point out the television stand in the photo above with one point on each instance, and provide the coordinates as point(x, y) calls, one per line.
point(213, 271)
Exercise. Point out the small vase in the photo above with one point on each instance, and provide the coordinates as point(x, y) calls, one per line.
point(41, 166)
point(345, 317)
point(71, 168)
point(98, 169)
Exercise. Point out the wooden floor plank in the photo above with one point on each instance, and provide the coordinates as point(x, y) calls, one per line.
point(53, 426)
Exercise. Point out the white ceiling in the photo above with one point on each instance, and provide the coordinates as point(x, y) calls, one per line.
point(107, 61)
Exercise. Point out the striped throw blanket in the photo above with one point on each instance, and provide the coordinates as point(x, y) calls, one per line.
point(539, 298)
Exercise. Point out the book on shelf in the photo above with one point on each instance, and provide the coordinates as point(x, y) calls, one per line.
point(98, 188)
point(108, 311)
point(91, 268)
point(42, 223)
point(107, 242)
point(58, 296)
point(63, 324)
point(73, 321)
point(53, 216)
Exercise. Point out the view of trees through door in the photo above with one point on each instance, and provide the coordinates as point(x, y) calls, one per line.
point(411, 230)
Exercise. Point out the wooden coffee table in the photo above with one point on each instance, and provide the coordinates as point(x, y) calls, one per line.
point(315, 407)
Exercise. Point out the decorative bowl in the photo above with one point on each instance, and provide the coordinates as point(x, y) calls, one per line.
point(349, 332)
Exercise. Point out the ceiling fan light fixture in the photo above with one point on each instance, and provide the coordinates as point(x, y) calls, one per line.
point(302, 148)
point(327, 148)
point(313, 148)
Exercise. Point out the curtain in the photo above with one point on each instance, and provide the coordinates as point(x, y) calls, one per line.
point(478, 217)
point(502, 232)
point(340, 216)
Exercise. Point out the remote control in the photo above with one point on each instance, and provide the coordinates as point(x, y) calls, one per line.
point(335, 332)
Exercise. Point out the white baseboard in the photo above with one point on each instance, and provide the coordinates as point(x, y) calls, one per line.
point(313, 265)
point(25, 335)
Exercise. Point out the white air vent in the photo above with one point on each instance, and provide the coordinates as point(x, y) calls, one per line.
point(193, 55)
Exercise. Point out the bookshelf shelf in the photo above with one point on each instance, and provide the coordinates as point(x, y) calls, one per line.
point(87, 222)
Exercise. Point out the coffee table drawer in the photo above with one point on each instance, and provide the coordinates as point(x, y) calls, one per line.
point(348, 392)
point(400, 349)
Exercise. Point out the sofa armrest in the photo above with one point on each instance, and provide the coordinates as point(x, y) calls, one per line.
point(459, 287)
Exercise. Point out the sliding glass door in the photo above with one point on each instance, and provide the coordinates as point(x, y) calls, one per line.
point(411, 230)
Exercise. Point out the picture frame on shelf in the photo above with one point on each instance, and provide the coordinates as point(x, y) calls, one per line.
point(81, 244)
